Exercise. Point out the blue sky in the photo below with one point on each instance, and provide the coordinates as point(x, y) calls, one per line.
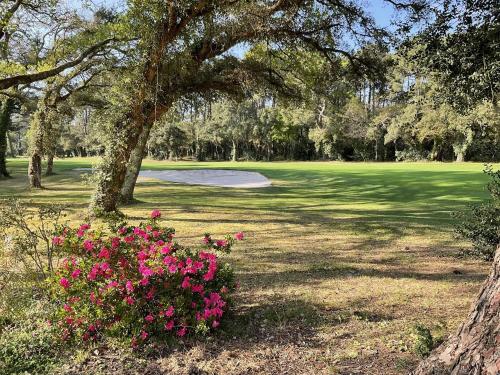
point(380, 10)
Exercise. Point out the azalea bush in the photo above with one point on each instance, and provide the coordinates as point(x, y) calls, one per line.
point(139, 282)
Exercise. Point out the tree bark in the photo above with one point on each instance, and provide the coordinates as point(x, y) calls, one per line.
point(234, 151)
point(36, 149)
point(5, 112)
point(134, 166)
point(49, 171)
point(475, 348)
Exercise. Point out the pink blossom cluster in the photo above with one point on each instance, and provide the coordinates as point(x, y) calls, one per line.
point(140, 282)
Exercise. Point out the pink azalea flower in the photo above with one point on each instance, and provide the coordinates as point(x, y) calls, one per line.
point(150, 294)
point(208, 276)
point(215, 324)
point(221, 243)
point(122, 230)
point(129, 286)
point(169, 312)
point(168, 260)
point(92, 274)
point(149, 318)
point(57, 241)
point(169, 325)
point(172, 268)
point(144, 335)
point(206, 240)
point(141, 255)
point(155, 214)
point(88, 245)
point(182, 332)
point(129, 300)
point(104, 253)
point(64, 282)
point(145, 271)
point(91, 328)
point(112, 284)
point(197, 288)
point(144, 281)
point(115, 242)
point(76, 273)
point(104, 267)
point(185, 283)
point(129, 239)
point(165, 250)
point(239, 236)
point(67, 307)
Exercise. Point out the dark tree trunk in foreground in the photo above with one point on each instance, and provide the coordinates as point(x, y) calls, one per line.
point(5, 112)
point(475, 348)
point(134, 166)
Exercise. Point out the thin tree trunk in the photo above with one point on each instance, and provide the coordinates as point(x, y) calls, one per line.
point(36, 149)
point(475, 348)
point(5, 112)
point(134, 166)
point(49, 171)
point(234, 151)
point(12, 152)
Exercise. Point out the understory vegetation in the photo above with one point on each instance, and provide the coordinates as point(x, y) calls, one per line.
point(480, 224)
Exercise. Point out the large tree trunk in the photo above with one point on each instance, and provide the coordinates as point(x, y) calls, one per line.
point(5, 112)
point(36, 149)
point(134, 166)
point(475, 348)
point(114, 167)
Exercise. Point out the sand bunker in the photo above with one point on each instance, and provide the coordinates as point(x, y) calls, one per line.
point(211, 177)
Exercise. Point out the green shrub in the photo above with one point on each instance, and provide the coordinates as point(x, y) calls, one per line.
point(423, 342)
point(480, 223)
point(26, 236)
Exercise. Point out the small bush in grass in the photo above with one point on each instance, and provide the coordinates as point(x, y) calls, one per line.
point(423, 342)
point(139, 283)
point(26, 235)
point(480, 224)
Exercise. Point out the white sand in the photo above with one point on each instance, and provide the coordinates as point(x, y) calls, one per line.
point(211, 177)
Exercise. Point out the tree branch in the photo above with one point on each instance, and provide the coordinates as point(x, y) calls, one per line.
point(6, 83)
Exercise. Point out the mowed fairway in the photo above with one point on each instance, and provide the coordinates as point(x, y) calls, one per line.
point(341, 259)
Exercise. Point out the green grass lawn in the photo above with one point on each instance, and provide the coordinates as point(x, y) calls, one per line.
point(341, 260)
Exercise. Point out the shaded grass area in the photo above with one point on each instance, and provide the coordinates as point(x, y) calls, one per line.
point(341, 261)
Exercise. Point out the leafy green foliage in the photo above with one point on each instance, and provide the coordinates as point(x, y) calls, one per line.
point(480, 224)
point(423, 342)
